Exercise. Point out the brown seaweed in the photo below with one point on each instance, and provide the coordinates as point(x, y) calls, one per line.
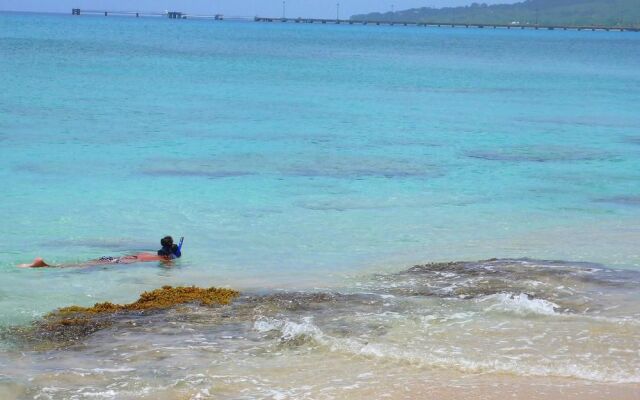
point(67, 326)
point(158, 299)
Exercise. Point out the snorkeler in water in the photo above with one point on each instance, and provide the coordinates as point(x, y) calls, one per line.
point(168, 252)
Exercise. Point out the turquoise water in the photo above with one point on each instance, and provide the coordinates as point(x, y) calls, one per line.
point(327, 159)
point(293, 155)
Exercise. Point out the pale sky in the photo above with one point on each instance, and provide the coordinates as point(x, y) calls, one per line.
point(294, 8)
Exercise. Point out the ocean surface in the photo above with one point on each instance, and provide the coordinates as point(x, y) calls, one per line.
point(310, 167)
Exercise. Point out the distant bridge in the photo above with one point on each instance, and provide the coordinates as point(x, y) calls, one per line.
point(166, 14)
point(220, 17)
point(449, 24)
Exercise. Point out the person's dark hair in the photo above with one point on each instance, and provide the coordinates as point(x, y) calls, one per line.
point(166, 241)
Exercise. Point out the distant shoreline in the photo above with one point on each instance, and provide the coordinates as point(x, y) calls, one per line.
point(576, 13)
point(324, 21)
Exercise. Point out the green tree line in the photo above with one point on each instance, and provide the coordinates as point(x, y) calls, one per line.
point(530, 12)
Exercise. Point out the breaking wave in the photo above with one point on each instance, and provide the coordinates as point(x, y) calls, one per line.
point(520, 304)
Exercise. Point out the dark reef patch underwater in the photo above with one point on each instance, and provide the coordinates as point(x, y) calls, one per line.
point(316, 166)
point(541, 154)
point(633, 201)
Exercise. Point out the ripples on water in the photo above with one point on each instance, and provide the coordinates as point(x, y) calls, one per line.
point(523, 318)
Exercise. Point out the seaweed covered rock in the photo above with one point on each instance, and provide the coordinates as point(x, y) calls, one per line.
point(159, 299)
point(68, 325)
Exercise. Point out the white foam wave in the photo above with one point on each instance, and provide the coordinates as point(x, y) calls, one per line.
point(513, 367)
point(289, 330)
point(520, 304)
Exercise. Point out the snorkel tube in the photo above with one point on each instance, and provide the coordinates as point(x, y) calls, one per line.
point(180, 244)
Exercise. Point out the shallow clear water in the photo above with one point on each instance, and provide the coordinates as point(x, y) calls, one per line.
point(470, 324)
point(297, 156)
